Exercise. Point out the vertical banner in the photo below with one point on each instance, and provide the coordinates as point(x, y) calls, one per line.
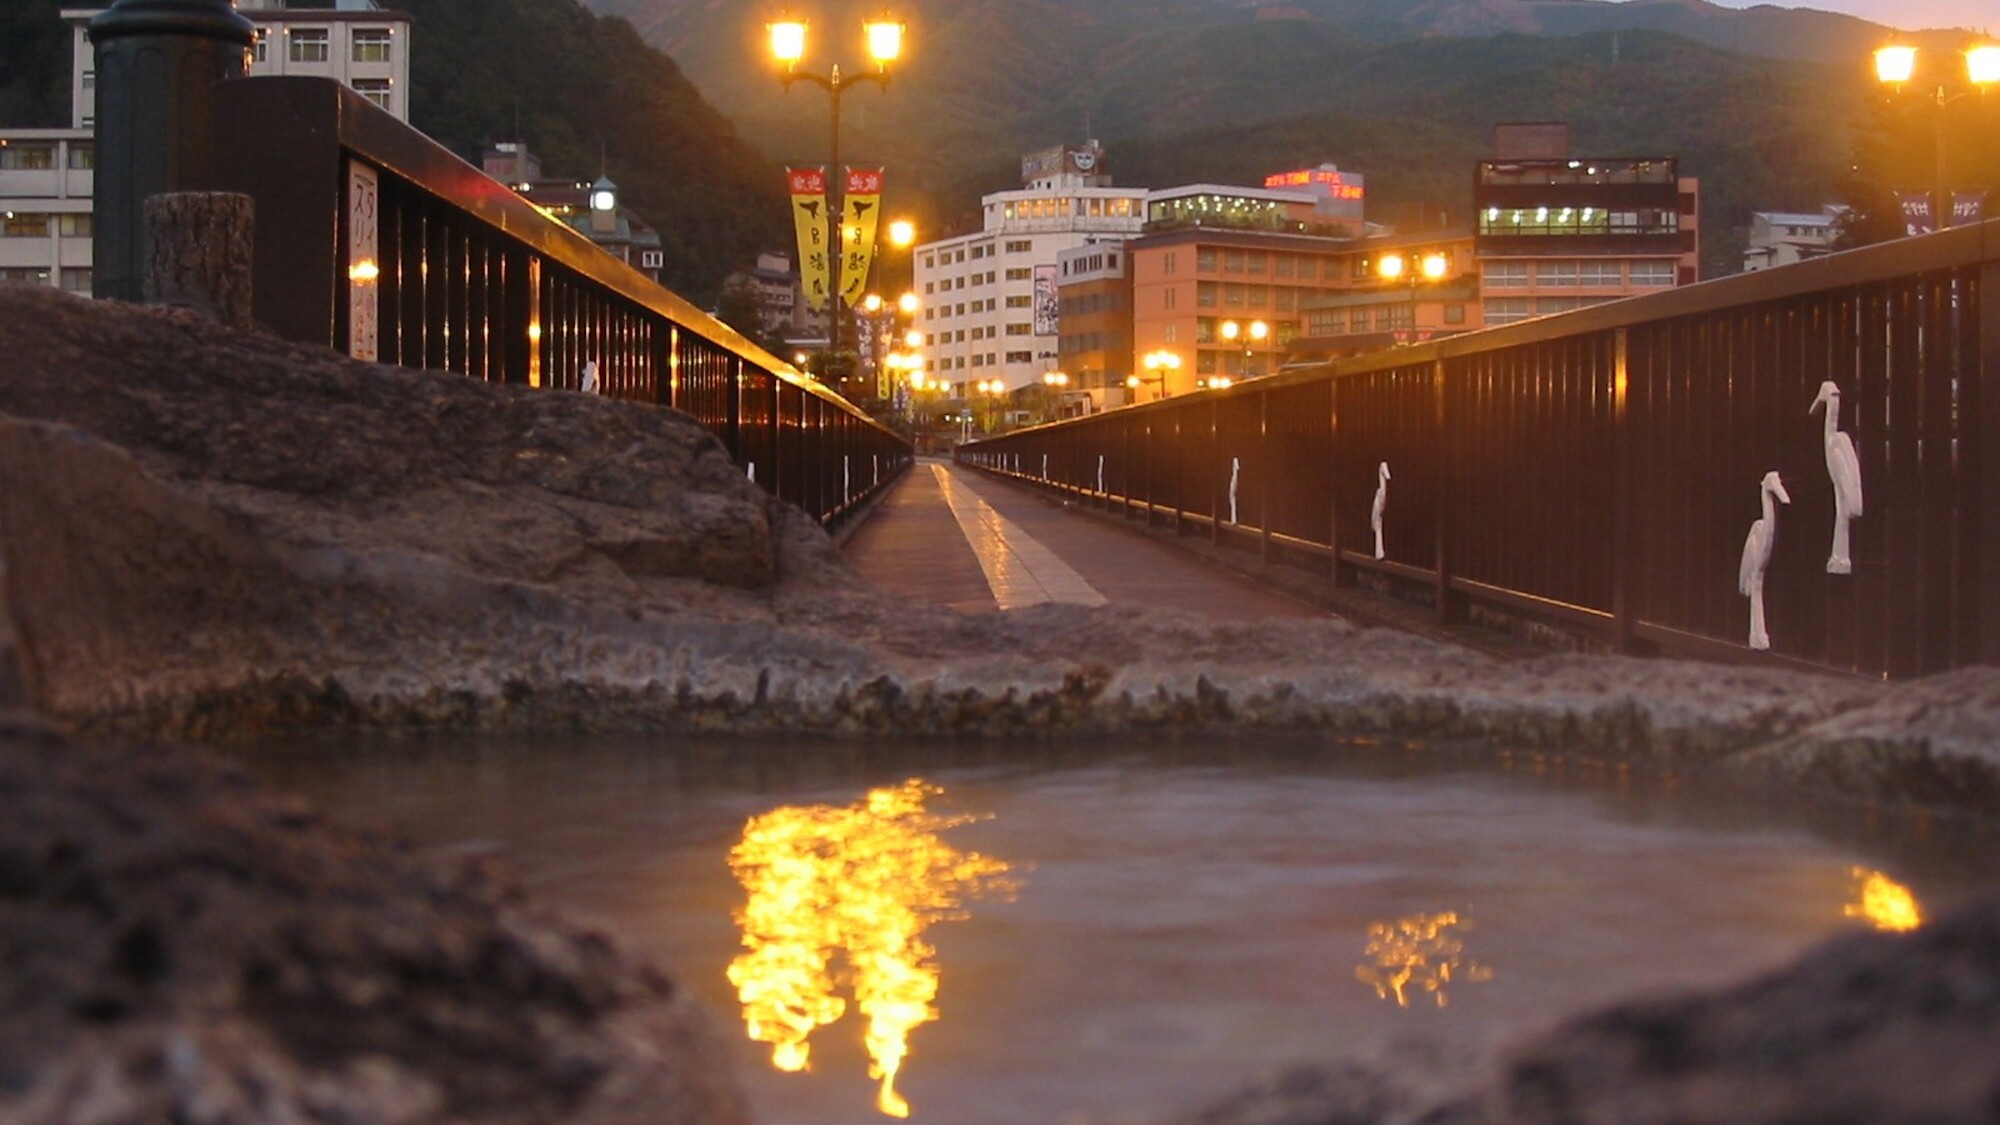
point(863, 207)
point(364, 263)
point(1048, 306)
point(808, 187)
point(1966, 207)
point(1917, 217)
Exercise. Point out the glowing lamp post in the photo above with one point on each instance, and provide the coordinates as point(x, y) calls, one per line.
point(1430, 266)
point(1896, 66)
point(1157, 365)
point(1252, 334)
point(788, 45)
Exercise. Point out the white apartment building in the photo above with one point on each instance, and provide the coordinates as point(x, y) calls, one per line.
point(990, 306)
point(46, 174)
point(1779, 238)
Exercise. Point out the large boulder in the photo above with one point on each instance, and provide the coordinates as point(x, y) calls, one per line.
point(182, 947)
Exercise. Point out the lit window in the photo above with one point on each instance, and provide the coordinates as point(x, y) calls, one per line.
point(376, 90)
point(27, 156)
point(372, 44)
point(309, 45)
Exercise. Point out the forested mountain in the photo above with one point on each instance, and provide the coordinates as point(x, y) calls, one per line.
point(1765, 105)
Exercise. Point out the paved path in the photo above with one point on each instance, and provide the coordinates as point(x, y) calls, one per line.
point(950, 536)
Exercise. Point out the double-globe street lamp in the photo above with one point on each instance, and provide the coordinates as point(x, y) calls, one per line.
point(1429, 266)
point(1157, 365)
point(1252, 334)
point(1896, 65)
point(788, 45)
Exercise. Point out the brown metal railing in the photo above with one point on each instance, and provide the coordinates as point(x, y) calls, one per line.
point(374, 240)
point(1600, 470)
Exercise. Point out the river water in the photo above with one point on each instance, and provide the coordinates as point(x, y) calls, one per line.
point(1060, 933)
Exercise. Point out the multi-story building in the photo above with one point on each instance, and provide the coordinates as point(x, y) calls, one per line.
point(1779, 238)
point(46, 177)
point(990, 303)
point(1094, 341)
point(1557, 232)
point(782, 312)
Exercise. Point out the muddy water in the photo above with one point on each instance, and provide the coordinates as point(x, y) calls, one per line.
point(1048, 934)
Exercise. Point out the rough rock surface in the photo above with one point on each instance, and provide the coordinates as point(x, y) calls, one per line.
point(181, 947)
point(1870, 1027)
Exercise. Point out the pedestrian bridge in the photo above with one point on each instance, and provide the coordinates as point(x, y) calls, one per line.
point(1798, 466)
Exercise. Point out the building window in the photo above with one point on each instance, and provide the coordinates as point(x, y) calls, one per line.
point(1021, 246)
point(1232, 261)
point(260, 45)
point(652, 259)
point(371, 44)
point(73, 226)
point(1204, 260)
point(1504, 275)
point(1555, 274)
point(1204, 294)
point(1326, 322)
point(376, 90)
point(1546, 305)
point(1020, 274)
point(82, 156)
point(24, 275)
point(18, 224)
point(1169, 298)
point(1258, 296)
point(1600, 275)
point(27, 156)
point(1232, 296)
point(1284, 265)
point(1288, 298)
point(1454, 314)
point(1020, 330)
point(309, 45)
point(76, 280)
point(1021, 302)
point(1020, 357)
point(1507, 310)
point(1652, 273)
point(1308, 268)
point(1255, 261)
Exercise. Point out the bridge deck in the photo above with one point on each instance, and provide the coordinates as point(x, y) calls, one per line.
point(950, 536)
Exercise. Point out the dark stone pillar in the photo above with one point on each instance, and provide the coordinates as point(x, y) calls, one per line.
point(157, 65)
point(198, 253)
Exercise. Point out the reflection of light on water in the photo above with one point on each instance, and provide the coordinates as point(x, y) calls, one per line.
point(1417, 952)
point(1883, 903)
point(864, 881)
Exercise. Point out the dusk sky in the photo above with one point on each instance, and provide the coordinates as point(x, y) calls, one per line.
point(1907, 14)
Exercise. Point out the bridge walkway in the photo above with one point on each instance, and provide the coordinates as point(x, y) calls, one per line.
point(951, 536)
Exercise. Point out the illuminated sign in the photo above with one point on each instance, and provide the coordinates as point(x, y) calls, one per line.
point(1329, 182)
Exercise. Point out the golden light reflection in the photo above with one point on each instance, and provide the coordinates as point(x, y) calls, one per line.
point(1419, 953)
point(1883, 903)
point(861, 882)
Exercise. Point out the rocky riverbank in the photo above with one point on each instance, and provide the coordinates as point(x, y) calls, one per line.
point(209, 535)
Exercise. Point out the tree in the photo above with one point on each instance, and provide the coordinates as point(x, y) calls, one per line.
point(740, 307)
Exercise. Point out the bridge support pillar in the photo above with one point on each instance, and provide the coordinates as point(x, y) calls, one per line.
point(157, 65)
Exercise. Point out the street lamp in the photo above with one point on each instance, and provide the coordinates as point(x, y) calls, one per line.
point(1431, 265)
point(1057, 387)
point(1157, 364)
point(1896, 64)
point(1252, 334)
point(788, 46)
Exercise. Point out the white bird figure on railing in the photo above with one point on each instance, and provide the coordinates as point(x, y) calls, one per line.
point(1235, 469)
point(1845, 468)
point(1100, 473)
point(1757, 556)
point(1381, 503)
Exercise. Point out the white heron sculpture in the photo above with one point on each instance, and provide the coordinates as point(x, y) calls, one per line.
point(1235, 470)
point(1757, 556)
point(1381, 503)
point(1845, 469)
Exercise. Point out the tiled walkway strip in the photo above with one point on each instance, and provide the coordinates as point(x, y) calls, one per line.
point(1021, 571)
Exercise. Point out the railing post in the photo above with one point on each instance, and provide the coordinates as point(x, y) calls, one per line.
point(1624, 505)
point(1447, 477)
point(157, 65)
point(1986, 446)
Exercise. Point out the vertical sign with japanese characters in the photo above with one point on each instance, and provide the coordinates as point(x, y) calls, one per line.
point(863, 207)
point(809, 217)
point(1048, 306)
point(364, 267)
